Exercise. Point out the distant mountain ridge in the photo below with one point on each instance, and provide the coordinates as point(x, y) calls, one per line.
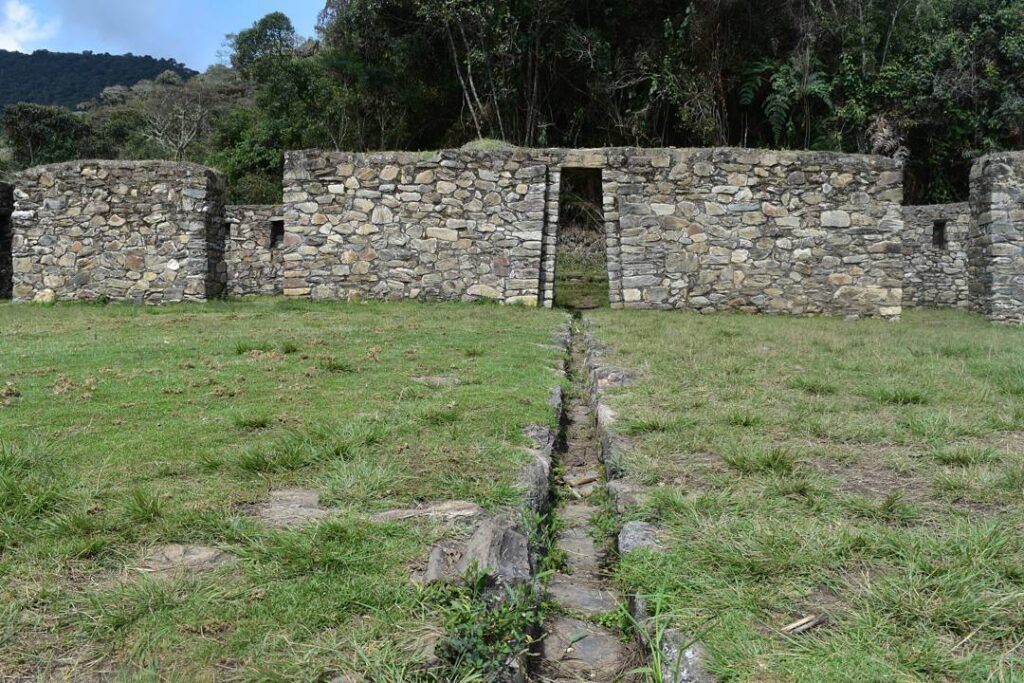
point(70, 78)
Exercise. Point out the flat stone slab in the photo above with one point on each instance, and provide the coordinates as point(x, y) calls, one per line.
point(582, 651)
point(578, 514)
point(581, 596)
point(580, 550)
point(180, 559)
point(291, 508)
point(447, 510)
point(626, 495)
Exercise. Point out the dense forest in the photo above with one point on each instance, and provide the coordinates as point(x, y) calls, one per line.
point(66, 79)
point(934, 82)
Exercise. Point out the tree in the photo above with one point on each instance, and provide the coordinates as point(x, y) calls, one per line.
point(42, 135)
point(176, 117)
point(257, 48)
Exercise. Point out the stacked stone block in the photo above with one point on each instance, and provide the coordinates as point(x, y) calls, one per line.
point(454, 225)
point(936, 274)
point(995, 250)
point(253, 262)
point(146, 232)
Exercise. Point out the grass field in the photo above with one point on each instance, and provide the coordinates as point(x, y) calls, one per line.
point(870, 472)
point(122, 428)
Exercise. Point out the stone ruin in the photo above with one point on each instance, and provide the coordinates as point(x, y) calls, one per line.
point(693, 229)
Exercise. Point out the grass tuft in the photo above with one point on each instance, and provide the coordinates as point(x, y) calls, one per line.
point(252, 422)
point(898, 396)
point(966, 455)
point(336, 365)
point(243, 348)
point(748, 459)
point(143, 507)
point(812, 385)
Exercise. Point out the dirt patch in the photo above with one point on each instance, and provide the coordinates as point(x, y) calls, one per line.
point(65, 386)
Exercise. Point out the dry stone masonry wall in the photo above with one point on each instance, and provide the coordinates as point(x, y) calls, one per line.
point(773, 232)
point(450, 226)
point(795, 232)
point(253, 253)
point(935, 249)
point(995, 251)
point(802, 233)
point(135, 231)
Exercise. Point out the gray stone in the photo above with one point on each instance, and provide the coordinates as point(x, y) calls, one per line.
point(683, 660)
point(180, 559)
point(500, 548)
point(580, 650)
point(450, 510)
point(581, 597)
point(638, 536)
point(291, 508)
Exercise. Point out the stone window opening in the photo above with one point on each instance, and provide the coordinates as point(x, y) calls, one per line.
point(939, 240)
point(581, 258)
point(276, 233)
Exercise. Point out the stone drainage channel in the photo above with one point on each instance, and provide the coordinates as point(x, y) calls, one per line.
point(575, 647)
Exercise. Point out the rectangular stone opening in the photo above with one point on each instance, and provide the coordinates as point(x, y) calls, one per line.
point(276, 232)
point(6, 248)
point(581, 255)
point(939, 239)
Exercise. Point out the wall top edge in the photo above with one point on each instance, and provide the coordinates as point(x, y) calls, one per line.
point(543, 154)
point(187, 167)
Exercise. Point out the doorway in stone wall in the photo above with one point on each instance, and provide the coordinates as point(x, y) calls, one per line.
point(6, 257)
point(581, 256)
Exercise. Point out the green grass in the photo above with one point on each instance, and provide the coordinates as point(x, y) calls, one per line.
point(868, 470)
point(580, 284)
point(133, 427)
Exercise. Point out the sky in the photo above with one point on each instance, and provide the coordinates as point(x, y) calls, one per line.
point(191, 31)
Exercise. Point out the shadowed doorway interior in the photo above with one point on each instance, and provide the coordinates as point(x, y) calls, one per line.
point(581, 261)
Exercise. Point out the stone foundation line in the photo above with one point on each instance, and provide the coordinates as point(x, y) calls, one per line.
point(683, 658)
point(575, 646)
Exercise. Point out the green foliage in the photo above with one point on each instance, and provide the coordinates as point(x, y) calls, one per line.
point(485, 629)
point(944, 79)
point(68, 79)
point(41, 135)
point(255, 49)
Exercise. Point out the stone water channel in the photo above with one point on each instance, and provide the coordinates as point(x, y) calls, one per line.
point(576, 647)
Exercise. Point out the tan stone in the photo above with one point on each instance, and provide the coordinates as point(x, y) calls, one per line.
point(443, 234)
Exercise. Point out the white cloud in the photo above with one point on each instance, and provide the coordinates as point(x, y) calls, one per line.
point(19, 27)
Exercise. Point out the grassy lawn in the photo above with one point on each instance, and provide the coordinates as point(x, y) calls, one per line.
point(872, 472)
point(122, 428)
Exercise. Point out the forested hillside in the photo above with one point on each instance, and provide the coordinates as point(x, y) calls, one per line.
point(934, 82)
point(66, 79)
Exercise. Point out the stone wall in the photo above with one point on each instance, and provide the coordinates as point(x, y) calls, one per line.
point(764, 231)
point(995, 244)
point(138, 231)
point(776, 232)
point(253, 259)
point(6, 265)
point(936, 274)
point(447, 226)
